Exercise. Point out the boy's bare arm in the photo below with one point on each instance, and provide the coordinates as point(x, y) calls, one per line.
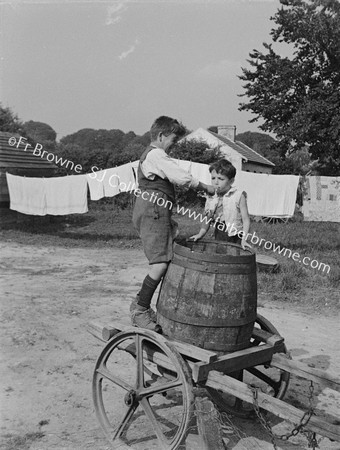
point(206, 188)
point(245, 220)
point(204, 228)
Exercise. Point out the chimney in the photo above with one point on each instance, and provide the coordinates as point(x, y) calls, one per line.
point(228, 131)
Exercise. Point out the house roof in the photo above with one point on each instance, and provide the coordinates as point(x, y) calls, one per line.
point(248, 153)
point(18, 157)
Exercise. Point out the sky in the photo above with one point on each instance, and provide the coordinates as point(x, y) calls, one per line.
point(121, 64)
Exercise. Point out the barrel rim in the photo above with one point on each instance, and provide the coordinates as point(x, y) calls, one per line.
point(216, 258)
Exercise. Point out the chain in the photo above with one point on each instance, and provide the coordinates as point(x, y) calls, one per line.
point(311, 436)
point(263, 420)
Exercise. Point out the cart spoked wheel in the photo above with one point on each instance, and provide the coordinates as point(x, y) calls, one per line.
point(270, 380)
point(142, 392)
point(272, 220)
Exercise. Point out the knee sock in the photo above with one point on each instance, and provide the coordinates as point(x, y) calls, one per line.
point(148, 288)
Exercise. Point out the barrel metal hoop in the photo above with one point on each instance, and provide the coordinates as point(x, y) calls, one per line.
point(214, 258)
point(206, 322)
point(245, 269)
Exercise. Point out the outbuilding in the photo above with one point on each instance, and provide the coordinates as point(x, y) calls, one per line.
point(239, 154)
point(17, 158)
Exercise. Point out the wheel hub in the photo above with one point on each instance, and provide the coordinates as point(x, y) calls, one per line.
point(130, 398)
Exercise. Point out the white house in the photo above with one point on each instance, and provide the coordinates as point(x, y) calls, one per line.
point(240, 155)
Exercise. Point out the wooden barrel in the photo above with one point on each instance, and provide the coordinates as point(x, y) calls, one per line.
point(209, 295)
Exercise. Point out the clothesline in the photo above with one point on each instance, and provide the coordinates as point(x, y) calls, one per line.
point(267, 194)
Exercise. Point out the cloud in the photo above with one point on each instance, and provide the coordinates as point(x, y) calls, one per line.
point(224, 69)
point(131, 49)
point(114, 13)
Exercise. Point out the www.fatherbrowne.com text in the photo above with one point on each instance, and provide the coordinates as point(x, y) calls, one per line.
point(251, 237)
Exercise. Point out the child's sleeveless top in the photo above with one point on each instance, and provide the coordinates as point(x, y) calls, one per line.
point(158, 183)
point(227, 210)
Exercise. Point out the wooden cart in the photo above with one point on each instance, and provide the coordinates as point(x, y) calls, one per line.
point(216, 341)
point(156, 398)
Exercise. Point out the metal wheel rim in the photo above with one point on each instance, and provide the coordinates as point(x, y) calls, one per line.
point(182, 380)
point(237, 409)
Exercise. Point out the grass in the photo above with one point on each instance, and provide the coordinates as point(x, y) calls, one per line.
point(107, 225)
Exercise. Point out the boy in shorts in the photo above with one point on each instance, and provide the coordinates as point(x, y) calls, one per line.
point(227, 209)
point(157, 175)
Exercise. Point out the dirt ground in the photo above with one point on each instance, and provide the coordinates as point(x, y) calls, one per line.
point(47, 356)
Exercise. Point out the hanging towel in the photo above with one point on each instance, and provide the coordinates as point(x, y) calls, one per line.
point(126, 177)
point(66, 195)
point(111, 182)
point(27, 195)
point(96, 186)
point(269, 195)
point(119, 179)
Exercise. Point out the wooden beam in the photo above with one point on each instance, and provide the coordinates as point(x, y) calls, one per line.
point(268, 338)
point(234, 361)
point(281, 409)
point(326, 379)
point(106, 332)
point(95, 329)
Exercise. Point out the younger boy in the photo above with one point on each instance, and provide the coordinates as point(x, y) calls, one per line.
point(157, 175)
point(228, 208)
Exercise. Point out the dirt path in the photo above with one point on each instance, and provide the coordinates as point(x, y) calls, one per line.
point(47, 357)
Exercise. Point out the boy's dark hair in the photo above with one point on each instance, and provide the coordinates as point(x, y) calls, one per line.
point(166, 125)
point(224, 167)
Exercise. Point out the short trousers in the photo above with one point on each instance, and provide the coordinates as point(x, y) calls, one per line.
point(155, 227)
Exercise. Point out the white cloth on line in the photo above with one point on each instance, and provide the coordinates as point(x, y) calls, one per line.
point(111, 182)
point(126, 177)
point(268, 195)
point(119, 179)
point(96, 186)
point(66, 195)
point(27, 194)
point(322, 200)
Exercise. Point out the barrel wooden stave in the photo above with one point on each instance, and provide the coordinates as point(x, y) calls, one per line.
point(207, 306)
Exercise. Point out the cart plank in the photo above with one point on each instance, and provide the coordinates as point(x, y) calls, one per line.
point(326, 379)
point(281, 409)
point(106, 332)
point(268, 338)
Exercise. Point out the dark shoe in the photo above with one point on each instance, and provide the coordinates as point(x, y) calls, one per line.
point(143, 317)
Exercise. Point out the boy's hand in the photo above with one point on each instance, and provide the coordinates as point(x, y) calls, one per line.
point(210, 189)
point(244, 244)
point(195, 237)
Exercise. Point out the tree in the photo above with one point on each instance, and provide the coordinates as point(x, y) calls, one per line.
point(260, 142)
point(40, 132)
point(102, 148)
point(9, 122)
point(196, 151)
point(299, 97)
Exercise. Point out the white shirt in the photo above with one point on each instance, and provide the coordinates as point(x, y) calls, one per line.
point(157, 162)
